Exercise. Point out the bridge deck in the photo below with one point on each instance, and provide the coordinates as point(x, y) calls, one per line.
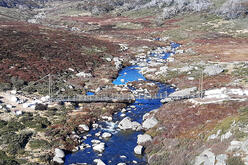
point(120, 98)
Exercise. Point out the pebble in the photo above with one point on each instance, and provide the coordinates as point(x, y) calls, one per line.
point(98, 134)
point(123, 115)
point(123, 157)
point(135, 162)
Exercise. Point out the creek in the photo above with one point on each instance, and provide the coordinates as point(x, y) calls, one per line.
point(119, 148)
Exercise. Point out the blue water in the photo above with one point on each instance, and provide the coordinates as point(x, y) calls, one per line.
point(166, 55)
point(122, 142)
point(128, 74)
point(174, 45)
point(90, 93)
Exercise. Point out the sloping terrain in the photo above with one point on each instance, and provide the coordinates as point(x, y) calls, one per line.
point(31, 52)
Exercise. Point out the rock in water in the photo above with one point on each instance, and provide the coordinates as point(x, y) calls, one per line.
point(106, 135)
point(213, 70)
point(138, 150)
point(126, 123)
point(99, 162)
point(136, 126)
point(150, 122)
point(99, 147)
point(144, 138)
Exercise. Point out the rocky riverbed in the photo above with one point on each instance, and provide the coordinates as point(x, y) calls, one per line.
point(125, 128)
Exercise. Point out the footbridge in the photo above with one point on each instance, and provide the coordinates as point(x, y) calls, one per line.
point(121, 98)
point(113, 98)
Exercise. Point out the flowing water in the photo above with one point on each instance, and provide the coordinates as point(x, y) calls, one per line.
point(120, 147)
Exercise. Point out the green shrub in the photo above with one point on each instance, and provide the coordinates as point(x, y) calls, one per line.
point(15, 126)
point(7, 160)
point(5, 86)
point(16, 142)
point(17, 82)
point(37, 122)
point(235, 160)
point(3, 123)
point(35, 144)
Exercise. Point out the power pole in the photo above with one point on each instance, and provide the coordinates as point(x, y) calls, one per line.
point(49, 85)
point(201, 84)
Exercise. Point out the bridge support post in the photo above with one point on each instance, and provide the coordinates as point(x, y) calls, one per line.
point(49, 87)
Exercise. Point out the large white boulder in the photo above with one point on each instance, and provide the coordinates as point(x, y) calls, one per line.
point(99, 147)
point(58, 156)
point(138, 149)
point(144, 138)
point(59, 153)
point(58, 160)
point(149, 123)
point(126, 124)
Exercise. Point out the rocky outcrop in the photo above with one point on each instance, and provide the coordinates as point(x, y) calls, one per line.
point(233, 9)
point(177, 6)
point(206, 157)
point(22, 4)
point(213, 70)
